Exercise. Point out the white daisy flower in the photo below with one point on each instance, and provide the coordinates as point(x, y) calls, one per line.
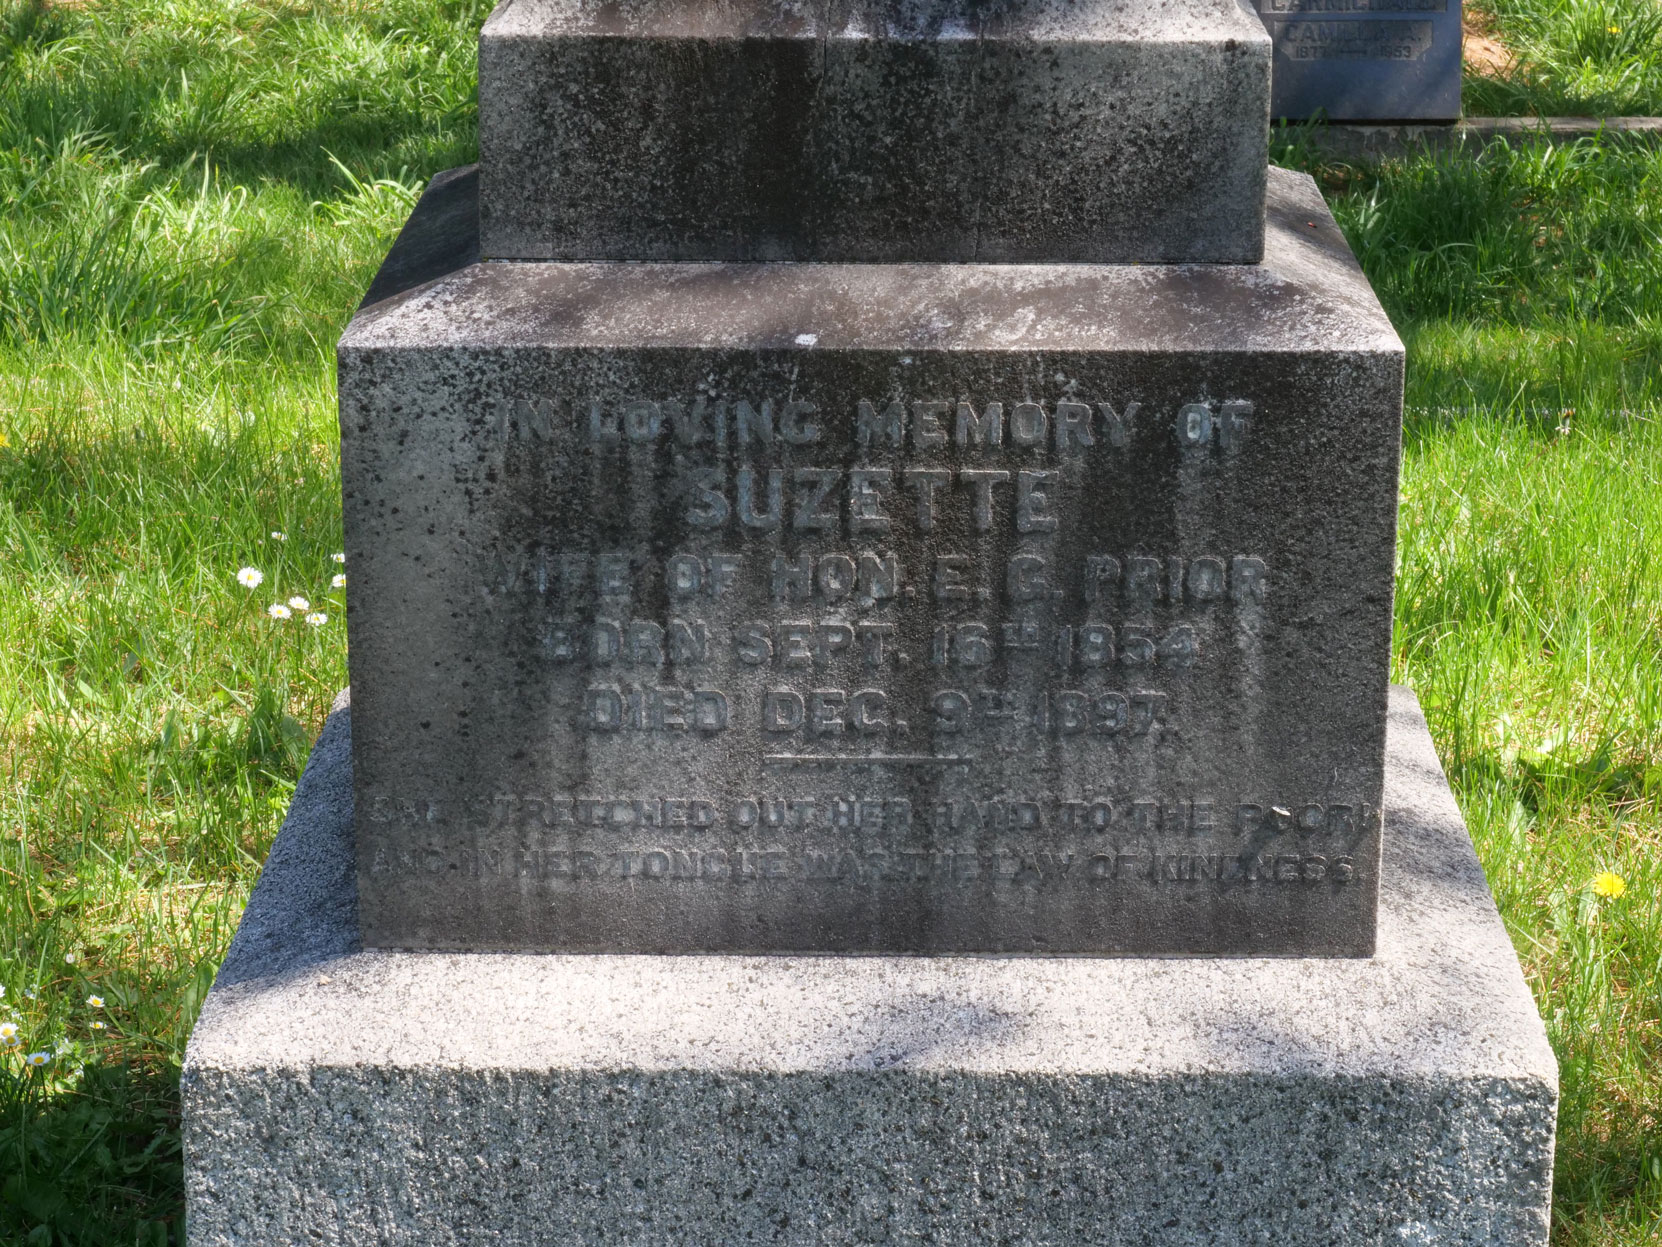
point(250, 577)
point(338, 557)
point(277, 536)
point(98, 1026)
point(36, 1059)
point(97, 1002)
point(317, 619)
point(298, 603)
point(278, 611)
point(339, 582)
point(8, 1033)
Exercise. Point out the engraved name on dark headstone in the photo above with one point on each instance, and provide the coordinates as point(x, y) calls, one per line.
point(1365, 60)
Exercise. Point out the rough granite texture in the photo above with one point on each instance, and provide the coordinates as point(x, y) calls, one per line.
point(874, 130)
point(1365, 60)
point(333, 1096)
point(877, 608)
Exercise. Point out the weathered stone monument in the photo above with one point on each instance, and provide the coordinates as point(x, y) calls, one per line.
point(1365, 60)
point(891, 480)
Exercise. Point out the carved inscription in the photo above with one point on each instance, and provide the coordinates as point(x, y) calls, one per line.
point(885, 839)
point(874, 561)
point(867, 577)
point(1307, 39)
point(877, 866)
point(888, 644)
point(1104, 584)
point(1254, 821)
point(1353, 6)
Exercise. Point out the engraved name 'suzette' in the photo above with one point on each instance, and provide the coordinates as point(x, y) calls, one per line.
point(871, 499)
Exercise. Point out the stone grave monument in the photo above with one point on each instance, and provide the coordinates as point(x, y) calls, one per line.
point(871, 533)
point(1365, 60)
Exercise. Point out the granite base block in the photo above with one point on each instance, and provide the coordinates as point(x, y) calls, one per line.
point(333, 1095)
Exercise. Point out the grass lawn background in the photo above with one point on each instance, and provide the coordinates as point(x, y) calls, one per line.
point(1587, 58)
point(194, 194)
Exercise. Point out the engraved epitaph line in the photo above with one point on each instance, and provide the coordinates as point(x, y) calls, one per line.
point(837, 759)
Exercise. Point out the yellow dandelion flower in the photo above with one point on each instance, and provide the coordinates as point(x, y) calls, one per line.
point(1608, 884)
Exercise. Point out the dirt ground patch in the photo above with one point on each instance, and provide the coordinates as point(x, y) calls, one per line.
point(1480, 45)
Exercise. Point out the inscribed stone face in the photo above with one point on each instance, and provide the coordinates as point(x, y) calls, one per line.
point(874, 608)
point(1365, 60)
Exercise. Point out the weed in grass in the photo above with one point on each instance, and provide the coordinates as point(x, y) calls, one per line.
point(1541, 234)
point(154, 722)
point(1600, 58)
point(1529, 618)
point(1529, 594)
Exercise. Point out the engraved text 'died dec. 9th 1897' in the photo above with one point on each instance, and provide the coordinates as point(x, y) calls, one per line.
point(803, 669)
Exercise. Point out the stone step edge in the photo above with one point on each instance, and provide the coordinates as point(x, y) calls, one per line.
point(1354, 141)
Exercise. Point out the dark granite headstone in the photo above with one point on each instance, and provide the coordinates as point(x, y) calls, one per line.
point(1364, 60)
point(926, 607)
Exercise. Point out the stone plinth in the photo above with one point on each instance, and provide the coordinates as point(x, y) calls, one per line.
point(871, 608)
point(1026, 130)
point(338, 1096)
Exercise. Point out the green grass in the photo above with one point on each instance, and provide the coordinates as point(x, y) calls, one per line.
point(1528, 288)
point(194, 196)
point(1598, 58)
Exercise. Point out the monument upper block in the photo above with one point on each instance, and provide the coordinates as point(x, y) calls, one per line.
point(868, 607)
point(1116, 131)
